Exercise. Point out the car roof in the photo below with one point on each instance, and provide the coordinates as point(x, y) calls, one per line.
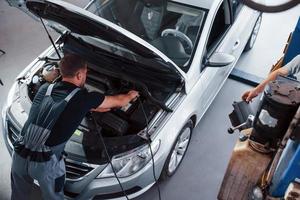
point(198, 3)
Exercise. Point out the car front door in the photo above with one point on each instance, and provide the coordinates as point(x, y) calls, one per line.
point(212, 78)
point(227, 35)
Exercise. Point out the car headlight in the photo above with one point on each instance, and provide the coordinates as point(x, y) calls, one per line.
point(3, 115)
point(12, 95)
point(128, 163)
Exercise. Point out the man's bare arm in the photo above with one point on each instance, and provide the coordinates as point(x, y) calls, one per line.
point(116, 101)
point(250, 94)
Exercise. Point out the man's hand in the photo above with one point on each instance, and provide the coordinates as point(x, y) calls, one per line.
point(250, 94)
point(133, 95)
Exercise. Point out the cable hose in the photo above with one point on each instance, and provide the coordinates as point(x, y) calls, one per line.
point(271, 9)
point(107, 154)
point(149, 144)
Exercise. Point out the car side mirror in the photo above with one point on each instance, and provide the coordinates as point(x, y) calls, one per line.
point(219, 59)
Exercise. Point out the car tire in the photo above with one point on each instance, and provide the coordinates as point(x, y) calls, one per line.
point(179, 149)
point(253, 36)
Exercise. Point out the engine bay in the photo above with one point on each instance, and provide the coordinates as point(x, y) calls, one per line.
point(127, 120)
point(119, 127)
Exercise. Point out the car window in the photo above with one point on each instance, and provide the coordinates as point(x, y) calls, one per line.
point(236, 7)
point(171, 27)
point(220, 25)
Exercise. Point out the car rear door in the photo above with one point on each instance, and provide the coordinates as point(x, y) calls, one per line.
point(243, 21)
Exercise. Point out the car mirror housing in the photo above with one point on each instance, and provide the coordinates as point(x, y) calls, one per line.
point(219, 59)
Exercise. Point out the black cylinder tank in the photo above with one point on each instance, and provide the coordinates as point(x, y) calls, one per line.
point(278, 106)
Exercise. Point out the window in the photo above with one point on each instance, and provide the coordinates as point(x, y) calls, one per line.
point(236, 7)
point(220, 25)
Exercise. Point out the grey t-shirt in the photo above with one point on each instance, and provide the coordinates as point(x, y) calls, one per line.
point(294, 67)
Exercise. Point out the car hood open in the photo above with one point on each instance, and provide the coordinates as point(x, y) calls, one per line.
point(63, 16)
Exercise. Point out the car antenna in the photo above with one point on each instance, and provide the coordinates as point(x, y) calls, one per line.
point(51, 40)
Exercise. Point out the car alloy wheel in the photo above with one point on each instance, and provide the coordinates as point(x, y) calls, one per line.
point(254, 34)
point(178, 150)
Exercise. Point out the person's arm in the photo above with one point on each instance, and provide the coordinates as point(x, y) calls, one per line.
point(116, 101)
point(250, 94)
point(293, 67)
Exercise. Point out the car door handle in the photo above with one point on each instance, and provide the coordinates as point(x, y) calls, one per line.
point(236, 45)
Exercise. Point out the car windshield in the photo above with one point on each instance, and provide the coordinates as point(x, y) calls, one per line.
point(171, 27)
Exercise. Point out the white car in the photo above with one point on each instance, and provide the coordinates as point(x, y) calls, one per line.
point(177, 54)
